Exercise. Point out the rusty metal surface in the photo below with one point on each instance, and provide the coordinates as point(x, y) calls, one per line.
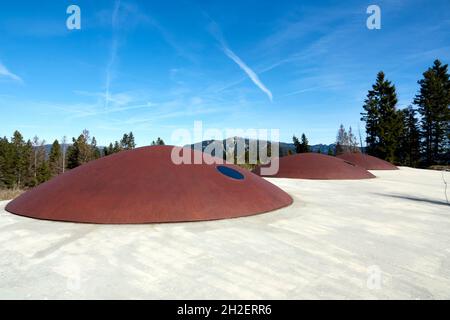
point(367, 162)
point(144, 186)
point(318, 166)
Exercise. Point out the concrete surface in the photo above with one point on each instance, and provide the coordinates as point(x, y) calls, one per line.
point(383, 238)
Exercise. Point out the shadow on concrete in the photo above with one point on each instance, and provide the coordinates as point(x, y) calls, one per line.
point(438, 202)
point(63, 242)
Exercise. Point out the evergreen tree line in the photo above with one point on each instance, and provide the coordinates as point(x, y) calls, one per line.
point(25, 164)
point(126, 143)
point(301, 146)
point(418, 135)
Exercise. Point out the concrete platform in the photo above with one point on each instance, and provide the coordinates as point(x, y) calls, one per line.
point(383, 238)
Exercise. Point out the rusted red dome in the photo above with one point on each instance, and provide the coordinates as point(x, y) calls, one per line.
point(367, 162)
point(318, 166)
point(144, 186)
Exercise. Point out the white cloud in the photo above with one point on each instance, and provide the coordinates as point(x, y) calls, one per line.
point(114, 100)
point(4, 72)
point(117, 102)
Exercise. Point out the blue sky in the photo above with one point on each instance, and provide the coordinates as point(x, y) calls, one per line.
point(155, 66)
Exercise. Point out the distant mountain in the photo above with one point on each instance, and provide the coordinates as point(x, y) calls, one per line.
point(285, 147)
point(323, 148)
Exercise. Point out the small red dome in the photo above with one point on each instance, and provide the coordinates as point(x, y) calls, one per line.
point(318, 166)
point(367, 162)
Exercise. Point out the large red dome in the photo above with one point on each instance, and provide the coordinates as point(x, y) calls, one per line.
point(318, 166)
point(144, 185)
point(367, 162)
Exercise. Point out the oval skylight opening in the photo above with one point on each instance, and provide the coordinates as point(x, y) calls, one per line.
point(231, 173)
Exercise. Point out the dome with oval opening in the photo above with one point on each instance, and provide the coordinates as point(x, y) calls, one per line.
point(144, 185)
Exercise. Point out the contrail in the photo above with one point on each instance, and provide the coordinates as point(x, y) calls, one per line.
point(217, 33)
point(6, 73)
point(113, 53)
point(252, 75)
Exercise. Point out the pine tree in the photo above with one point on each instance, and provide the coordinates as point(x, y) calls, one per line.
point(7, 177)
point(73, 158)
point(28, 180)
point(117, 147)
point(108, 150)
point(297, 144)
point(83, 150)
point(20, 154)
point(383, 122)
point(124, 142)
point(3, 152)
point(131, 143)
point(43, 172)
point(433, 101)
point(54, 159)
point(304, 143)
point(94, 149)
point(158, 142)
point(127, 142)
point(409, 151)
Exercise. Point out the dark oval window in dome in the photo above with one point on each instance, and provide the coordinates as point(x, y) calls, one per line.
point(229, 172)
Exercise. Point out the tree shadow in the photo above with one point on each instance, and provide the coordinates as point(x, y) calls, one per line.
point(438, 202)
